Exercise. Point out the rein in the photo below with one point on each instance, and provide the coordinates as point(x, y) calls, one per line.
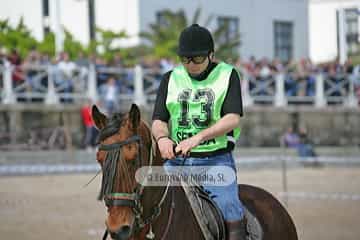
point(132, 200)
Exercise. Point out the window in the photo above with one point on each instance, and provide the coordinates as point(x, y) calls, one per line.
point(231, 25)
point(283, 39)
point(352, 30)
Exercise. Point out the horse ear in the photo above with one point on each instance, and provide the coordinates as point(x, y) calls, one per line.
point(134, 116)
point(99, 118)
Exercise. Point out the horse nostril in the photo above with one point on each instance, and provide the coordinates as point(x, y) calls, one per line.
point(123, 233)
point(125, 230)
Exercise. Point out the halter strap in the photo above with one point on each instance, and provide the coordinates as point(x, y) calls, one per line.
point(133, 199)
point(109, 147)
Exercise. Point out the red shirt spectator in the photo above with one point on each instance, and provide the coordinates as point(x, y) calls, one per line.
point(86, 116)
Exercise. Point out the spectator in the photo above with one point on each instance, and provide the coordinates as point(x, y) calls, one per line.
point(290, 138)
point(108, 94)
point(82, 60)
point(31, 67)
point(305, 147)
point(90, 130)
point(18, 76)
point(100, 66)
point(64, 78)
point(82, 71)
point(117, 61)
point(166, 65)
point(355, 78)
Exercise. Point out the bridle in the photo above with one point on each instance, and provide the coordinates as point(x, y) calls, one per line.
point(132, 200)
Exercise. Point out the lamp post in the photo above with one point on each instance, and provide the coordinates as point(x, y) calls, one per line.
point(46, 14)
point(92, 25)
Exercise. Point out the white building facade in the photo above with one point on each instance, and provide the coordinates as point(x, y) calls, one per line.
point(324, 28)
point(268, 28)
point(287, 29)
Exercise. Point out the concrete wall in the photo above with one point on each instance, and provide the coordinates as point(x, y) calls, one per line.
point(261, 126)
point(336, 126)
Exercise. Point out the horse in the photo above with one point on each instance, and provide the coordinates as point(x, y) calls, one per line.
point(163, 212)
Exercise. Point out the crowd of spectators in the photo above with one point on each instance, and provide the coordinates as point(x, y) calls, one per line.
point(113, 78)
point(300, 77)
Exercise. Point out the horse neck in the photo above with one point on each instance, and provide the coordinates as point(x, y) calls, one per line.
point(151, 195)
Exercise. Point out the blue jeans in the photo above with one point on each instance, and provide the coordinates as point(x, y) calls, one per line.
point(226, 197)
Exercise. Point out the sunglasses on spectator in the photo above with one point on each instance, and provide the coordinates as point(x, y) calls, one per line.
point(195, 59)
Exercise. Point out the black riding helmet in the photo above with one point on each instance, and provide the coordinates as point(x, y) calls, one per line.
point(195, 41)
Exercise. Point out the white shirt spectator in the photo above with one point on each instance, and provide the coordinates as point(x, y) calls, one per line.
point(67, 68)
point(111, 93)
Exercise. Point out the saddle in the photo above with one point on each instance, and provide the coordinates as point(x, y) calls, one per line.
point(206, 211)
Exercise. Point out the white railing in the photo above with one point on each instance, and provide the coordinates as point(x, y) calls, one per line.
point(46, 83)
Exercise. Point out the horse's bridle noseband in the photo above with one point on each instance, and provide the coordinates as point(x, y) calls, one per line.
point(132, 200)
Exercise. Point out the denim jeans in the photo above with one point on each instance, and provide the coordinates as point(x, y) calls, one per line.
point(226, 197)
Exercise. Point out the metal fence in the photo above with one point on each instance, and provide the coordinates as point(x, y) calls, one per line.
point(45, 83)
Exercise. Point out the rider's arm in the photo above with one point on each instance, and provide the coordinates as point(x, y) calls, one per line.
point(160, 118)
point(223, 126)
point(160, 111)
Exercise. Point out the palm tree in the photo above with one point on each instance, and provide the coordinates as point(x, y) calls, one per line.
point(163, 35)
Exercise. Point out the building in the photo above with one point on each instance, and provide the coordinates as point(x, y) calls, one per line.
point(287, 29)
point(324, 28)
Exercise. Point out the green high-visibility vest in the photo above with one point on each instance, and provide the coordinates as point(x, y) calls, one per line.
point(196, 105)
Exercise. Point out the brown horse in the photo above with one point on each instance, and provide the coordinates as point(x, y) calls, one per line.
point(137, 212)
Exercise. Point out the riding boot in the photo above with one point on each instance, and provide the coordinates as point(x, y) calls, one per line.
point(236, 230)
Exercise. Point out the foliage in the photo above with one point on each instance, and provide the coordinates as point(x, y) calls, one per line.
point(18, 37)
point(47, 46)
point(108, 41)
point(131, 55)
point(163, 39)
point(72, 46)
point(355, 59)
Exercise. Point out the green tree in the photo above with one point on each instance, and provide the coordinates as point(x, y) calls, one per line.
point(47, 45)
point(72, 46)
point(18, 37)
point(163, 36)
point(108, 42)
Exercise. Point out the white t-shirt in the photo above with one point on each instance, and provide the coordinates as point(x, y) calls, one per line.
point(110, 93)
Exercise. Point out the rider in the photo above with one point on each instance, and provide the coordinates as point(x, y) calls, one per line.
point(199, 106)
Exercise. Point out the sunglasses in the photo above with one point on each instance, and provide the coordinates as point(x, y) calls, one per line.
point(195, 59)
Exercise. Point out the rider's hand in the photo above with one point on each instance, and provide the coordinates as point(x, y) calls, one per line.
point(166, 148)
point(185, 146)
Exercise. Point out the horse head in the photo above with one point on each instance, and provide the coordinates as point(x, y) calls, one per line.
point(125, 146)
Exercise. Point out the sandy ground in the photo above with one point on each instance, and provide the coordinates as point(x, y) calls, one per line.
point(58, 207)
